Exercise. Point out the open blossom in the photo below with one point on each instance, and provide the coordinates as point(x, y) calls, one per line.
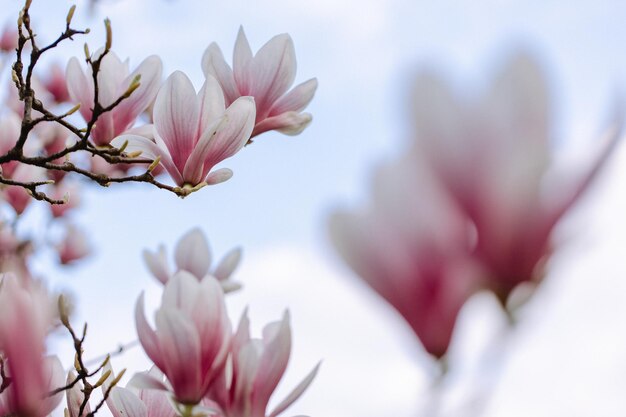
point(194, 132)
point(493, 155)
point(192, 335)
point(412, 247)
point(192, 254)
point(114, 79)
point(266, 76)
point(257, 367)
point(26, 317)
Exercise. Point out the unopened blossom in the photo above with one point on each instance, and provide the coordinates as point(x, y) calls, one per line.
point(411, 245)
point(194, 131)
point(192, 335)
point(65, 191)
point(114, 80)
point(133, 401)
point(193, 254)
point(74, 246)
point(25, 320)
point(266, 76)
point(256, 368)
point(8, 39)
point(493, 155)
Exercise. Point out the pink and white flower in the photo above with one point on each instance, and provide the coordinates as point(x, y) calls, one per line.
point(257, 366)
point(411, 245)
point(114, 79)
point(192, 335)
point(493, 155)
point(266, 76)
point(194, 132)
point(26, 317)
point(192, 254)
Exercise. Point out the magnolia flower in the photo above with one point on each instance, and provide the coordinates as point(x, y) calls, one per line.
point(56, 83)
point(113, 82)
point(493, 155)
point(133, 401)
point(257, 366)
point(265, 76)
point(412, 246)
point(74, 246)
point(8, 39)
point(192, 335)
point(25, 319)
point(192, 254)
point(18, 197)
point(67, 191)
point(194, 132)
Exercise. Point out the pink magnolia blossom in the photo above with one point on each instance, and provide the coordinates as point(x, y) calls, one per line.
point(75, 397)
point(192, 254)
point(194, 132)
point(114, 79)
point(17, 196)
point(68, 191)
point(8, 39)
point(133, 401)
point(493, 154)
point(257, 366)
point(266, 76)
point(411, 245)
point(192, 335)
point(74, 246)
point(26, 317)
point(56, 84)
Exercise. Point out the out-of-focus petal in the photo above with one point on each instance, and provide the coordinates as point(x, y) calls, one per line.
point(228, 264)
point(147, 336)
point(295, 393)
point(157, 264)
point(193, 253)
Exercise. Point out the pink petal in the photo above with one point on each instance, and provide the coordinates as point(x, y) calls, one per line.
point(151, 71)
point(296, 393)
point(195, 165)
point(122, 402)
point(181, 292)
point(80, 88)
point(193, 253)
point(211, 101)
point(231, 135)
point(228, 264)
point(110, 78)
point(176, 117)
point(289, 123)
point(218, 176)
point(75, 397)
point(296, 100)
point(157, 264)
point(275, 71)
point(147, 336)
point(213, 63)
point(243, 65)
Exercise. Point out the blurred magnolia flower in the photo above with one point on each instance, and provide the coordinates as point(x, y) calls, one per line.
point(192, 336)
point(412, 247)
point(8, 38)
point(493, 155)
point(133, 401)
point(56, 84)
point(26, 317)
point(10, 126)
point(68, 191)
point(194, 132)
point(266, 76)
point(18, 197)
point(254, 370)
point(74, 245)
point(114, 80)
point(192, 254)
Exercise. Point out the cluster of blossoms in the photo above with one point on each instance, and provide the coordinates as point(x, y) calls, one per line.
point(136, 120)
point(470, 206)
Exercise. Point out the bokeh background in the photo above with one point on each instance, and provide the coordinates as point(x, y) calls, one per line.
point(567, 355)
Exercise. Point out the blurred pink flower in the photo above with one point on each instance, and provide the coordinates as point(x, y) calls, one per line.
point(493, 155)
point(192, 335)
point(192, 254)
point(194, 132)
point(75, 397)
point(68, 191)
point(74, 245)
point(9, 38)
point(257, 367)
point(133, 401)
point(18, 197)
point(267, 77)
point(56, 84)
point(411, 245)
point(114, 80)
point(26, 317)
